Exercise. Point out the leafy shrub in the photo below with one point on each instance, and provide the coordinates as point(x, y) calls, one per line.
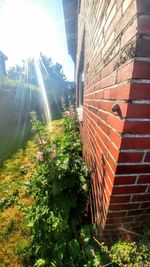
point(129, 254)
point(59, 187)
point(60, 234)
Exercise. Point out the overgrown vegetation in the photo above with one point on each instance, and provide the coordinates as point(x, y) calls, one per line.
point(20, 94)
point(50, 186)
point(14, 234)
point(18, 99)
point(59, 188)
point(129, 254)
point(61, 234)
point(52, 75)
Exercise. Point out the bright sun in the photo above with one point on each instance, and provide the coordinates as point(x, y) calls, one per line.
point(25, 29)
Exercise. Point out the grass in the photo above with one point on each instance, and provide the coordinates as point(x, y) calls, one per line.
point(15, 172)
point(12, 139)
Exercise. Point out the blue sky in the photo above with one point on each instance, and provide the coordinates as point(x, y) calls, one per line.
point(30, 26)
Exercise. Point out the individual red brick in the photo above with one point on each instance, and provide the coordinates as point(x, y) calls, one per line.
point(109, 80)
point(143, 179)
point(138, 111)
point(130, 157)
point(97, 95)
point(135, 143)
point(125, 72)
point(147, 158)
point(97, 86)
point(143, 7)
point(105, 105)
point(143, 45)
point(129, 33)
point(118, 92)
point(108, 69)
point(141, 69)
point(116, 214)
point(124, 180)
point(128, 189)
point(119, 199)
point(129, 169)
point(143, 25)
point(137, 127)
point(140, 90)
point(123, 207)
point(141, 198)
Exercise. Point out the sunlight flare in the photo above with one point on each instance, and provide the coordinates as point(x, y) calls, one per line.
point(43, 92)
point(25, 26)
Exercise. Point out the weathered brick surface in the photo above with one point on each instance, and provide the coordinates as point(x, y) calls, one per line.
point(116, 145)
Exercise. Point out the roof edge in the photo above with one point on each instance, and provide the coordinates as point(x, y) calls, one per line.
point(70, 8)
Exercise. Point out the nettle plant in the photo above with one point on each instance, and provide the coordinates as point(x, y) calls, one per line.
point(57, 219)
point(129, 254)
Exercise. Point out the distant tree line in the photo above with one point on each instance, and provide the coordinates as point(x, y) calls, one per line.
point(27, 72)
point(53, 76)
point(20, 95)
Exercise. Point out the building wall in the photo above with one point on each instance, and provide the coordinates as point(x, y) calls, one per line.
point(2, 67)
point(116, 118)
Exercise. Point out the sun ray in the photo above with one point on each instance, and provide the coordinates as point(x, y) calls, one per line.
point(43, 92)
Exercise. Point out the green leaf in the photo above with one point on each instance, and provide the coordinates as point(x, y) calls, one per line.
point(40, 263)
point(74, 248)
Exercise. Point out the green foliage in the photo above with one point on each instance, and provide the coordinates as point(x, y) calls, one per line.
point(130, 254)
point(8, 200)
point(22, 250)
point(59, 186)
point(53, 78)
point(123, 253)
point(17, 100)
point(20, 94)
point(59, 231)
point(10, 84)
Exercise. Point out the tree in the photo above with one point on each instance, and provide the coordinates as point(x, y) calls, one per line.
point(52, 74)
point(16, 73)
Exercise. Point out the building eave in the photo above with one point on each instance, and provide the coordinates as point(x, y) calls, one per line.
point(70, 8)
point(3, 55)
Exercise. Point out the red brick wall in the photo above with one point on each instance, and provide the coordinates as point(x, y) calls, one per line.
point(116, 144)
